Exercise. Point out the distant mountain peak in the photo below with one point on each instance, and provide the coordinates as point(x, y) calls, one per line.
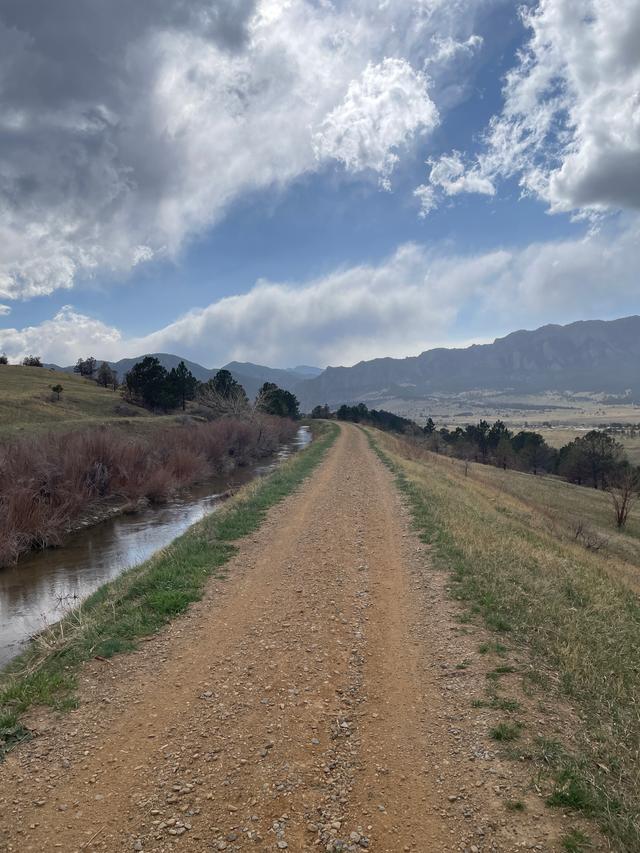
point(306, 370)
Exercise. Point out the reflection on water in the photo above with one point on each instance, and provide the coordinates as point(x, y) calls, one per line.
point(43, 586)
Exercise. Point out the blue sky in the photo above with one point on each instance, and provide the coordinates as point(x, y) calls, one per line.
point(307, 182)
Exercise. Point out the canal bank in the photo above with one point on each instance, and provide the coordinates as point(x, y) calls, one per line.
point(139, 602)
point(46, 585)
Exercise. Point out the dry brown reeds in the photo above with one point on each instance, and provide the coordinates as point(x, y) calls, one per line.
point(48, 482)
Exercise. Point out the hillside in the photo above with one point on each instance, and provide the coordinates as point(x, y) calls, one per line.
point(27, 402)
point(600, 356)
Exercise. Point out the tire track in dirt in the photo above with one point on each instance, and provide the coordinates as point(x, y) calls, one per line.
point(298, 706)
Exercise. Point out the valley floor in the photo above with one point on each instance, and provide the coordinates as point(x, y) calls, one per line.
point(318, 698)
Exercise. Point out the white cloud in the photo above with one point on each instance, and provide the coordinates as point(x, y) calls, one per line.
point(126, 129)
point(413, 300)
point(4, 310)
point(428, 198)
point(449, 176)
point(569, 129)
point(448, 49)
point(381, 112)
point(63, 339)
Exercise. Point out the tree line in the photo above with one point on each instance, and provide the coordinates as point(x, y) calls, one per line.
point(103, 374)
point(594, 459)
point(387, 421)
point(150, 384)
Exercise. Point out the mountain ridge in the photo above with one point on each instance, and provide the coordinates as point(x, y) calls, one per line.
point(587, 355)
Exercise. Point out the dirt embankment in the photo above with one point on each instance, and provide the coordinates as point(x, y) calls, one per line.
point(311, 701)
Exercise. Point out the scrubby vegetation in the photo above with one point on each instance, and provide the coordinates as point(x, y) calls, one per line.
point(48, 482)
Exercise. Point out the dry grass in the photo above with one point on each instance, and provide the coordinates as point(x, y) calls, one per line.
point(572, 514)
point(27, 403)
point(554, 597)
point(561, 436)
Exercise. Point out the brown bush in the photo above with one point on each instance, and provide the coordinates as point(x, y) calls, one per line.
point(48, 482)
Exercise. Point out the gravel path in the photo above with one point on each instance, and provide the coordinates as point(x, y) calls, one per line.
point(309, 702)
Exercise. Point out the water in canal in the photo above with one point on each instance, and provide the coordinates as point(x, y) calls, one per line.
point(46, 584)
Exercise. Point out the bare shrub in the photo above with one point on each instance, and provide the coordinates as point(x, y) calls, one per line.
point(586, 536)
point(48, 482)
point(126, 411)
point(624, 493)
point(232, 404)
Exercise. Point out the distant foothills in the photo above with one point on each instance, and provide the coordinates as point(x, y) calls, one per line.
point(596, 356)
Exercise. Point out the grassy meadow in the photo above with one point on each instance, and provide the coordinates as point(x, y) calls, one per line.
point(571, 514)
point(27, 403)
point(516, 565)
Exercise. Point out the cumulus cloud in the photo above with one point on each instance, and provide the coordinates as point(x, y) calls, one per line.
point(413, 300)
point(4, 310)
point(381, 112)
point(62, 339)
point(128, 128)
point(569, 129)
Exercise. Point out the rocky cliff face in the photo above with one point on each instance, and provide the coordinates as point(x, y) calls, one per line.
point(585, 356)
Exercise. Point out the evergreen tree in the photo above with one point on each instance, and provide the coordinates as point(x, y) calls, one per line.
point(276, 401)
point(429, 427)
point(147, 382)
point(321, 412)
point(183, 383)
point(86, 366)
point(104, 376)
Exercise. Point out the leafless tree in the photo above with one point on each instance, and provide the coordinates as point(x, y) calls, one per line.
point(233, 404)
point(624, 493)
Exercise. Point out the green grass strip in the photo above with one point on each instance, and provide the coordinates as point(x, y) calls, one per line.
point(140, 601)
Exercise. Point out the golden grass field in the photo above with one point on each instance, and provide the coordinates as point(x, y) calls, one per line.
point(27, 403)
point(559, 436)
point(509, 541)
point(558, 417)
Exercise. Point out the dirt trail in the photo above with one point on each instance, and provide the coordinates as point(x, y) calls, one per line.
point(304, 704)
